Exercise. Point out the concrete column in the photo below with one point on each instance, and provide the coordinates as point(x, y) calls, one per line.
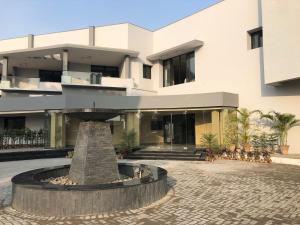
point(4, 63)
point(216, 125)
point(91, 36)
point(202, 125)
point(133, 123)
point(57, 130)
point(30, 41)
point(125, 68)
point(65, 58)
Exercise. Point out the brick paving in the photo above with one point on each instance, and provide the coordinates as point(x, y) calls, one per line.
point(223, 192)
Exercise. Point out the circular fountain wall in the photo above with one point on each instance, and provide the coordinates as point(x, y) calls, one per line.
point(31, 194)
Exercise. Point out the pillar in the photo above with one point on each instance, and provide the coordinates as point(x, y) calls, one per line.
point(57, 130)
point(4, 63)
point(133, 123)
point(91, 36)
point(125, 69)
point(216, 124)
point(30, 41)
point(203, 125)
point(65, 58)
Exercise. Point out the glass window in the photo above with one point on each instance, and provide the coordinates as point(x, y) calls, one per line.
point(256, 39)
point(146, 71)
point(14, 123)
point(50, 76)
point(179, 69)
point(156, 125)
point(107, 71)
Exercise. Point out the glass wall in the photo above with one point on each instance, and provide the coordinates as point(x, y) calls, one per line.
point(179, 69)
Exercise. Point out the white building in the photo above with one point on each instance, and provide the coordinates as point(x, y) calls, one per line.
point(232, 54)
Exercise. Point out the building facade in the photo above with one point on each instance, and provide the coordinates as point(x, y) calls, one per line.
point(170, 85)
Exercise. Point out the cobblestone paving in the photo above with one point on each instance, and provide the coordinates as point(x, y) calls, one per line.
point(223, 192)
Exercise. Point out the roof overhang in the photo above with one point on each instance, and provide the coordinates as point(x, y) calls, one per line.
point(77, 54)
point(83, 102)
point(177, 50)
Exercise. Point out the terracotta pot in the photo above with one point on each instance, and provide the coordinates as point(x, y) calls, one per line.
point(284, 149)
point(247, 147)
point(232, 148)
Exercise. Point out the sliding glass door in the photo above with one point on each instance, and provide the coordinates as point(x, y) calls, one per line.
point(179, 129)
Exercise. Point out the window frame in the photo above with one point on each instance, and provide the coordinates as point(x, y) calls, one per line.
point(177, 70)
point(145, 75)
point(256, 38)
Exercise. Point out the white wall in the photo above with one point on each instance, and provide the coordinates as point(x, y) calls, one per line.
point(140, 40)
point(114, 36)
point(281, 39)
point(80, 37)
point(13, 44)
point(224, 63)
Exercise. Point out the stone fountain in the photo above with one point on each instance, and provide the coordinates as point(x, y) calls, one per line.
point(99, 183)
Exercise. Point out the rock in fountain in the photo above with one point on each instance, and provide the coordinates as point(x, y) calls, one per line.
point(94, 160)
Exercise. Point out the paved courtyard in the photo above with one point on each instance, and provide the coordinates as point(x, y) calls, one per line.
point(223, 192)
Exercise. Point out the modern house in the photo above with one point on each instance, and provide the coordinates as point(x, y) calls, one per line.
point(170, 85)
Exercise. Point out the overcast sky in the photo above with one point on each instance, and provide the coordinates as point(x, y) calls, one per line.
point(22, 17)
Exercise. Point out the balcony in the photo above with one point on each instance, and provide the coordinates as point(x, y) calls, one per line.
point(76, 78)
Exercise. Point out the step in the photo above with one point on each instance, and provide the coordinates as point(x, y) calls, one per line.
point(165, 155)
point(164, 152)
point(163, 158)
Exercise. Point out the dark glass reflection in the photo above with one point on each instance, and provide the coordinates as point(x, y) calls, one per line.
point(179, 69)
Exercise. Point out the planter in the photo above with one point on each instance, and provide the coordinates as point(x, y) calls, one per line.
point(284, 149)
point(247, 147)
point(232, 148)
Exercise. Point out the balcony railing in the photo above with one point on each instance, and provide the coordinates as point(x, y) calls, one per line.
point(11, 139)
point(91, 78)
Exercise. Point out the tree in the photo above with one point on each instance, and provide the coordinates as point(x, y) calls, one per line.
point(281, 124)
point(244, 125)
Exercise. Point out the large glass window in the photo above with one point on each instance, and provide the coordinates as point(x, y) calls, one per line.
point(107, 71)
point(179, 69)
point(256, 39)
point(14, 123)
point(50, 76)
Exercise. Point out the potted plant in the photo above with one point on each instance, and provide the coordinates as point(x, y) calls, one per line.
point(244, 127)
point(281, 123)
point(128, 142)
point(210, 142)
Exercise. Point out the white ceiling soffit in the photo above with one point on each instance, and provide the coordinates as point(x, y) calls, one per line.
point(58, 48)
point(177, 50)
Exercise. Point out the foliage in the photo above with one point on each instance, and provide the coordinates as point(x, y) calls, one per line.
point(264, 141)
point(231, 129)
point(281, 124)
point(209, 140)
point(244, 125)
point(128, 140)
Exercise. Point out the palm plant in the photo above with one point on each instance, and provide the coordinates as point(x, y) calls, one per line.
point(209, 140)
point(128, 140)
point(231, 130)
point(244, 125)
point(281, 124)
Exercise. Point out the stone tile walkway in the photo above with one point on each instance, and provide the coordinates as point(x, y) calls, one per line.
point(223, 192)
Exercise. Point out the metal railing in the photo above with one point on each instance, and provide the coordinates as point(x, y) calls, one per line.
point(12, 139)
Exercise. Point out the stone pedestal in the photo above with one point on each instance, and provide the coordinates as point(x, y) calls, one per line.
point(94, 160)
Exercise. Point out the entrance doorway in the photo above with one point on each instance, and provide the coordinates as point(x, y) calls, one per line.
point(179, 129)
